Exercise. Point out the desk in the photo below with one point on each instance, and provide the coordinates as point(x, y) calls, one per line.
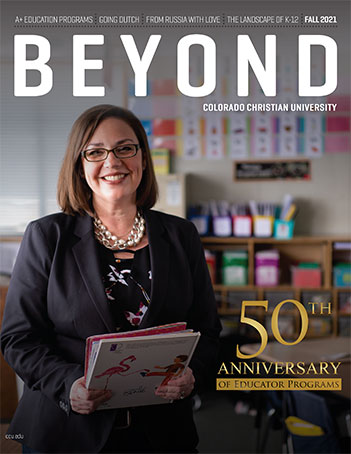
point(311, 351)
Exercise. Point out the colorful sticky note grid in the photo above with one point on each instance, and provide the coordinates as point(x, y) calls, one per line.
point(338, 124)
point(335, 143)
point(214, 125)
point(165, 142)
point(300, 124)
point(343, 102)
point(164, 127)
point(164, 87)
point(147, 125)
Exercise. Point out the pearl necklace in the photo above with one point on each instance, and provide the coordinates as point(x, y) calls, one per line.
point(110, 241)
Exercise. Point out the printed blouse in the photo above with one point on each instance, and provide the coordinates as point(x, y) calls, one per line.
point(127, 284)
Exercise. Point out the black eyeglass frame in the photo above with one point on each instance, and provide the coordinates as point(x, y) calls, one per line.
point(112, 150)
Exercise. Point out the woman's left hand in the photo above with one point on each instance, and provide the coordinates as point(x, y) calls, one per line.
point(177, 387)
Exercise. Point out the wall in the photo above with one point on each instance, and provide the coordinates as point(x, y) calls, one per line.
point(324, 202)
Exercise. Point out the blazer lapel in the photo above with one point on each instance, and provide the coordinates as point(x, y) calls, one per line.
point(86, 256)
point(159, 258)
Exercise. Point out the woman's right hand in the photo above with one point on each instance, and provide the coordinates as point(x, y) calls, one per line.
point(85, 401)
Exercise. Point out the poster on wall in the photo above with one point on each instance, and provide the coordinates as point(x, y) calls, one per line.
point(247, 84)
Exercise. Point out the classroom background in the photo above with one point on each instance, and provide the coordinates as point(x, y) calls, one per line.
point(268, 191)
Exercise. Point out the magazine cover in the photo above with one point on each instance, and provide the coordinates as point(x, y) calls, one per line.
point(246, 107)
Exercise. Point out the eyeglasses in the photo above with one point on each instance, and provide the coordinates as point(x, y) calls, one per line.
point(121, 152)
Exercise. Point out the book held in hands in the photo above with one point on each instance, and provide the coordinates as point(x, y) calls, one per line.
point(133, 364)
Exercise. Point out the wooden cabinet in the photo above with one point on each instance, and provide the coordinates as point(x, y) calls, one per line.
point(291, 252)
point(8, 389)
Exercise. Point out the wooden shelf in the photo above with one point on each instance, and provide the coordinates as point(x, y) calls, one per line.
point(277, 288)
point(315, 336)
point(294, 240)
point(298, 249)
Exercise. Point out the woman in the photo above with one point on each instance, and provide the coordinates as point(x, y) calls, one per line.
point(107, 263)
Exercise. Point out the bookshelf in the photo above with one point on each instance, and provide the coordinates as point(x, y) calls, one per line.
point(318, 249)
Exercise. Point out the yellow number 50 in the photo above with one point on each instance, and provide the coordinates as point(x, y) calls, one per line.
point(275, 328)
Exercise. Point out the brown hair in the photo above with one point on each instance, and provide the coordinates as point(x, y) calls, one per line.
point(73, 193)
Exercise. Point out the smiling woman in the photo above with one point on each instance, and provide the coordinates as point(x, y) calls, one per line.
point(88, 134)
point(108, 263)
point(113, 180)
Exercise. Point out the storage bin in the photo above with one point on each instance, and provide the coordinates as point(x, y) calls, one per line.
point(307, 275)
point(283, 229)
point(342, 275)
point(202, 224)
point(234, 267)
point(263, 226)
point(242, 226)
point(267, 268)
point(222, 226)
point(211, 264)
point(344, 303)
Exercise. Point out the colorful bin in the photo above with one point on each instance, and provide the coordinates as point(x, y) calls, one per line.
point(211, 264)
point(308, 275)
point(342, 275)
point(283, 230)
point(263, 226)
point(202, 224)
point(234, 267)
point(242, 226)
point(222, 226)
point(267, 268)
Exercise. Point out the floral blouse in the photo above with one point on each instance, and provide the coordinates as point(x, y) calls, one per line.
point(127, 284)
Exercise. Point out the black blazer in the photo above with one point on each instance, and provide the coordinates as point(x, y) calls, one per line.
point(56, 300)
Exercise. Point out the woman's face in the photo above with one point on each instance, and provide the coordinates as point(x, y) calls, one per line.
point(113, 180)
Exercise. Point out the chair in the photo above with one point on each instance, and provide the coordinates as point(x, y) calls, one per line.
point(310, 427)
point(305, 420)
point(269, 416)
